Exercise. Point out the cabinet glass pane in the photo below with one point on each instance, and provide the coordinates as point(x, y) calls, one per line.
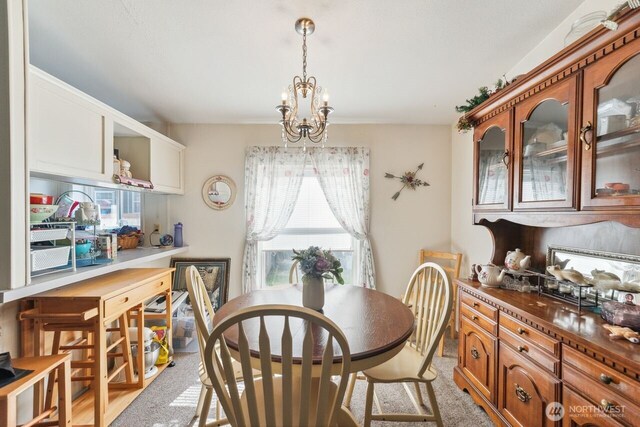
point(544, 153)
point(492, 173)
point(618, 133)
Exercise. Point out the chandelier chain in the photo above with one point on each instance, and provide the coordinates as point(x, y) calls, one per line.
point(304, 55)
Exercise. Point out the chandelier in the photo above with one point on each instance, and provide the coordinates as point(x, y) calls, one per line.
point(313, 129)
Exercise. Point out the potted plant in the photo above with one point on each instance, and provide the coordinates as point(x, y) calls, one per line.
point(316, 265)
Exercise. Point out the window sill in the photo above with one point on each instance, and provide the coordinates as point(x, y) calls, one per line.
point(126, 259)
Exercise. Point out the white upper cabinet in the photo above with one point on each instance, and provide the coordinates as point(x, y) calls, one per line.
point(66, 131)
point(72, 135)
point(167, 165)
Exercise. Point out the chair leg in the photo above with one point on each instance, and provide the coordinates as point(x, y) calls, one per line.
point(203, 391)
point(368, 408)
point(434, 404)
point(206, 404)
point(350, 386)
point(418, 393)
point(441, 346)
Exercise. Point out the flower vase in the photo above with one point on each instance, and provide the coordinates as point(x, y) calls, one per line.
point(313, 292)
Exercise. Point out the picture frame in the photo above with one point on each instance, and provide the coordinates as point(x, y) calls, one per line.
point(214, 273)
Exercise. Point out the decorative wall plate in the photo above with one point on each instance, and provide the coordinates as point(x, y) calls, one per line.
point(219, 192)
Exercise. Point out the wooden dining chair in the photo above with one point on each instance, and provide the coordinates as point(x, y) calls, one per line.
point(450, 263)
point(432, 297)
point(302, 393)
point(203, 313)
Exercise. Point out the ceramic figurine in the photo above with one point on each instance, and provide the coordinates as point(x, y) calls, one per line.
point(569, 275)
point(516, 261)
point(124, 169)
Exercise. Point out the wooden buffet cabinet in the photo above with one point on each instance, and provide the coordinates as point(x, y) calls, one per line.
point(519, 352)
point(556, 163)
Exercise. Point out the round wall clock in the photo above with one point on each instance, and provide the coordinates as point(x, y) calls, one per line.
point(219, 192)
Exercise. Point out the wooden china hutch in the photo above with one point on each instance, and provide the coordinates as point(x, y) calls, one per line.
point(556, 162)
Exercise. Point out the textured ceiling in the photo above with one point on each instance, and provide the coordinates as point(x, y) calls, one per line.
point(211, 61)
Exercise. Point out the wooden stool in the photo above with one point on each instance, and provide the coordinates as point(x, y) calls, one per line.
point(41, 367)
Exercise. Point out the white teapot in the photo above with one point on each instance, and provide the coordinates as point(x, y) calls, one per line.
point(490, 275)
point(516, 261)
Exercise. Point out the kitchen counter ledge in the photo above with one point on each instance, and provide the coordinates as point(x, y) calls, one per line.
point(126, 259)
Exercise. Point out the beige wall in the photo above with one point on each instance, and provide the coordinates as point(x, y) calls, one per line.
point(398, 228)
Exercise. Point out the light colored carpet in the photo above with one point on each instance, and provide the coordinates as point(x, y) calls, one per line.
point(172, 398)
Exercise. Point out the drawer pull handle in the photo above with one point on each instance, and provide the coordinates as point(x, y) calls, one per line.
point(505, 158)
point(522, 395)
point(474, 353)
point(606, 379)
point(606, 405)
point(474, 318)
point(475, 304)
point(522, 348)
point(583, 134)
point(522, 331)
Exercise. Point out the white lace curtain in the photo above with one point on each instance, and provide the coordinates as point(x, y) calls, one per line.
point(344, 177)
point(273, 177)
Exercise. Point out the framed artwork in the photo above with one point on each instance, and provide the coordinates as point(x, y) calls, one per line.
point(214, 273)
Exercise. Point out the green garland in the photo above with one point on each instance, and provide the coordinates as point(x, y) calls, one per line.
point(464, 124)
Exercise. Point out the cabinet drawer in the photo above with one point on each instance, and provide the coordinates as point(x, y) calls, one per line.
point(524, 390)
point(529, 334)
point(476, 357)
point(600, 373)
point(118, 304)
point(579, 412)
point(607, 400)
point(479, 306)
point(535, 353)
point(478, 319)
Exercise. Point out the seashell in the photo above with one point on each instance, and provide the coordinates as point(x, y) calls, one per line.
point(573, 276)
point(603, 275)
point(555, 271)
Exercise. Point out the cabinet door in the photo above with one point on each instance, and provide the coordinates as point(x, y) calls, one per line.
point(610, 132)
point(66, 132)
point(544, 164)
point(477, 357)
point(524, 390)
point(167, 165)
point(491, 168)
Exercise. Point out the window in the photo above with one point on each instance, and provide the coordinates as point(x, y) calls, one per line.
point(311, 223)
point(117, 207)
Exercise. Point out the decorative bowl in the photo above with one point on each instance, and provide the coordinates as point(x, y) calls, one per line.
point(38, 213)
point(83, 248)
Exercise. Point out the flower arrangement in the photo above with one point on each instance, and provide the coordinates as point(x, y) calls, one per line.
point(319, 263)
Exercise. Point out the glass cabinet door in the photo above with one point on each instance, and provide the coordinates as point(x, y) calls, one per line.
point(611, 132)
point(544, 148)
point(492, 183)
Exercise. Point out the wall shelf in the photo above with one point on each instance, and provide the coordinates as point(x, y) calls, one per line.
point(126, 259)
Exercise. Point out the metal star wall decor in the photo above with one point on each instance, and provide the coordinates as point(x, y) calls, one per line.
point(408, 180)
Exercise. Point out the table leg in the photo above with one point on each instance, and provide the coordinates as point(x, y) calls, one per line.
point(8, 413)
point(100, 388)
point(64, 394)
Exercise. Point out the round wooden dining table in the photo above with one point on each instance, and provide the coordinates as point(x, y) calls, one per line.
point(375, 324)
